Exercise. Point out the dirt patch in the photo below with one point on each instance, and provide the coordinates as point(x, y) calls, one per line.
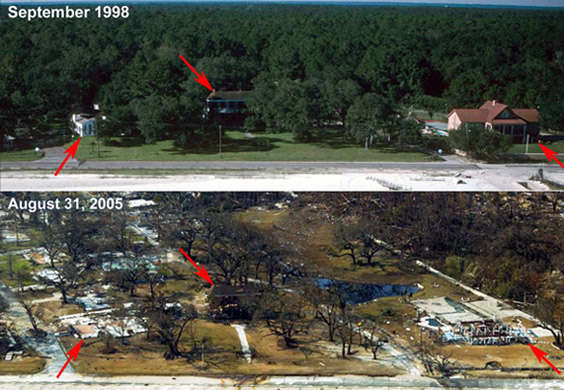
point(22, 366)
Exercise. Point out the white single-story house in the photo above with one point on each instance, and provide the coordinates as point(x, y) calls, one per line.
point(84, 124)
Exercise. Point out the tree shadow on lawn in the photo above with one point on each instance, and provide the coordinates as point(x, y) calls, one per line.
point(331, 138)
point(336, 138)
point(127, 142)
point(229, 145)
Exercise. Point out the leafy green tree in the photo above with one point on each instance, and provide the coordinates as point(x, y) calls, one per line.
point(339, 96)
point(478, 141)
point(52, 69)
point(551, 112)
point(407, 131)
point(157, 116)
point(371, 116)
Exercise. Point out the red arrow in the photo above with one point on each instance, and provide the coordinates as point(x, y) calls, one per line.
point(202, 273)
point(550, 154)
point(70, 151)
point(72, 354)
point(202, 79)
point(541, 355)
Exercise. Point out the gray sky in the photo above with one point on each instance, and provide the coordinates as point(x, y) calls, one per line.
point(538, 3)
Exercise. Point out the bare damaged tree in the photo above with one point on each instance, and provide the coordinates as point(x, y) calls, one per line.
point(327, 304)
point(170, 322)
point(66, 278)
point(134, 272)
point(435, 360)
point(229, 249)
point(347, 330)
point(35, 314)
point(444, 363)
point(182, 231)
point(269, 254)
point(74, 234)
point(550, 311)
point(157, 279)
point(284, 315)
point(51, 241)
point(372, 340)
point(344, 237)
point(144, 311)
point(117, 225)
point(369, 245)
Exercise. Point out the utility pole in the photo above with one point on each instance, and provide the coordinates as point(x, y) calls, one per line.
point(527, 146)
point(219, 139)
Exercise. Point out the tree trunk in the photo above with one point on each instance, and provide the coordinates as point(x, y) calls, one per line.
point(64, 294)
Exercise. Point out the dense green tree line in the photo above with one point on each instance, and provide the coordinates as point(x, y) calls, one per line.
point(310, 65)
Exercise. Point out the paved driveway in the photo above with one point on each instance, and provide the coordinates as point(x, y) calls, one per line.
point(47, 347)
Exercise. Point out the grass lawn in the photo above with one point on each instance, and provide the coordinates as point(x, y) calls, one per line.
point(21, 155)
point(22, 366)
point(54, 309)
point(313, 356)
point(516, 355)
point(558, 147)
point(330, 146)
point(17, 263)
point(142, 357)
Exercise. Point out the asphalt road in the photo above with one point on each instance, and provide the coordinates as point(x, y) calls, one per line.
point(453, 174)
point(279, 176)
point(53, 164)
point(76, 382)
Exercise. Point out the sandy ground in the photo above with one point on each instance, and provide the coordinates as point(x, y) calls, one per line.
point(487, 178)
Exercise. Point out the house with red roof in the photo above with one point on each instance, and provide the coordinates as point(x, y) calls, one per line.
point(517, 122)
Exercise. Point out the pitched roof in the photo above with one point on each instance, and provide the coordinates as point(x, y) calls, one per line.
point(228, 95)
point(494, 109)
point(468, 115)
point(531, 115)
point(491, 110)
